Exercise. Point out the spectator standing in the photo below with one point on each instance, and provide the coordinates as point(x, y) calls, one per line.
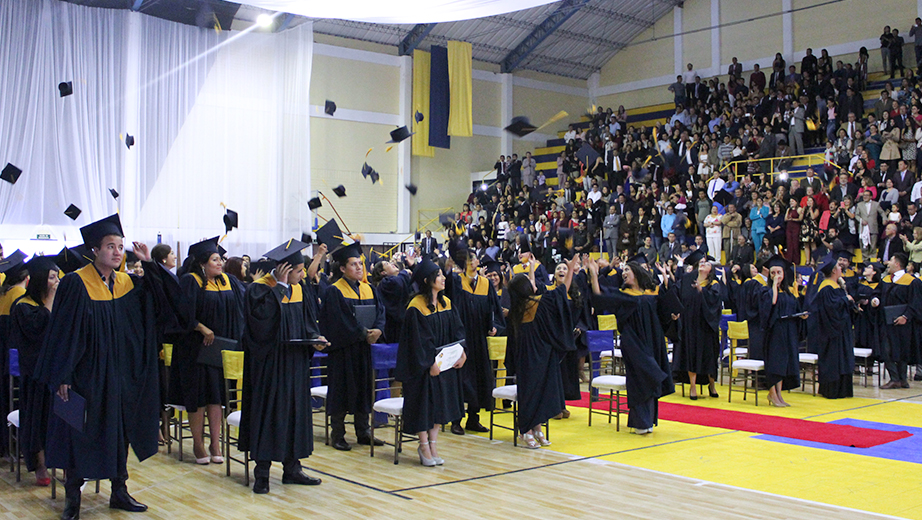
point(610, 228)
point(732, 222)
point(916, 33)
point(688, 77)
point(896, 53)
point(714, 231)
point(885, 40)
point(528, 169)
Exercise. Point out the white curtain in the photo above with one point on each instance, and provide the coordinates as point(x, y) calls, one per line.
point(398, 11)
point(218, 118)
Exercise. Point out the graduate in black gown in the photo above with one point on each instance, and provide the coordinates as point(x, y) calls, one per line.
point(777, 309)
point(496, 275)
point(210, 305)
point(433, 396)
point(28, 324)
point(749, 294)
point(477, 304)
point(349, 368)
point(102, 344)
point(276, 422)
point(13, 279)
point(643, 343)
point(695, 355)
point(540, 335)
point(525, 258)
point(868, 322)
point(832, 309)
point(571, 366)
point(900, 338)
point(393, 286)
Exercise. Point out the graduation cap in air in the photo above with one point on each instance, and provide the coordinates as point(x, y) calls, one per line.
point(446, 219)
point(411, 188)
point(524, 246)
point(640, 258)
point(221, 250)
point(520, 126)
point(129, 141)
point(722, 197)
point(340, 191)
point(203, 250)
point(424, 269)
point(73, 212)
point(314, 203)
point(329, 108)
point(69, 260)
point(330, 235)
point(39, 264)
point(307, 238)
point(288, 252)
point(130, 257)
point(368, 171)
point(694, 257)
point(10, 173)
point(93, 233)
point(418, 117)
point(491, 265)
point(374, 257)
point(400, 134)
point(264, 265)
point(12, 261)
point(113, 193)
point(344, 253)
point(587, 155)
point(66, 88)
point(230, 220)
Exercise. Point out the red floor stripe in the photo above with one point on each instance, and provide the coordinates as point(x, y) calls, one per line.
point(814, 431)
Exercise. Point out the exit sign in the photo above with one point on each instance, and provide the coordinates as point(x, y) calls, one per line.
point(43, 236)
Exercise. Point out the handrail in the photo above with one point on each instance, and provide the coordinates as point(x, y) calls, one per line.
point(772, 160)
point(389, 254)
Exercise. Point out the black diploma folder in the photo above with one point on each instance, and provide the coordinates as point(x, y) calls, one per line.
point(366, 315)
point(72, 411)
point(892, 312)
point(303, 342)
point(211, 354)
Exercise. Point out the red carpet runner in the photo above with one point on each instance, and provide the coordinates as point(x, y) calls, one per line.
point(813, 431)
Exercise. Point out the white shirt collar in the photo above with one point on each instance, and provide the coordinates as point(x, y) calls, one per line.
point(897, 275)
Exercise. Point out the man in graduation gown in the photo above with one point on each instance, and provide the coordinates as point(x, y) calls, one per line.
point(349, 368)
point(899, 336)
point(276, 424)
point(102, 345)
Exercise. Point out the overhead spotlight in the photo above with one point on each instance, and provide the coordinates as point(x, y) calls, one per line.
point(264, 20)
point(783, 176)
point(483, 186)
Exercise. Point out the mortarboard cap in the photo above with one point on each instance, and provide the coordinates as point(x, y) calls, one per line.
point(264, 265)
point(344, 253)
point(640, 258)
point(113, 193)
point(524, 247)
point(129, 141)
point(39, 263)
point(411, 188)
point(828, 265)
point(340, 191)
point(329, 108)
point(722, 197)
point(203, 250)
point(423, 270)
point(288, 252)
point(368, 171)
point(69, 260)
point(66, 88)
point(314, 203)
point(778, 261)
point(694, 257)
point(400, 134)
point(520, 126)
point(307, 238)
point(446, 219)
point(221, 250)
point(230, 220)
point(587, 155)
point(492, 265)
point(130, 257)
point(10, 173)
point(93, 233)
point(843, 253)
point(12, 261)
point(73, 212)
point(331, 235)
point(418, 116)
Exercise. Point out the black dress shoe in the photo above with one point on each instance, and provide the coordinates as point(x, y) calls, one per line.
point(366, 441)
point(71, 508)
point(261, 486)
point(693, 397)
point(457, 429)
point(300, 478)
point(714, 394)
point(120, 499)
point(476, 427)
point(341, 445)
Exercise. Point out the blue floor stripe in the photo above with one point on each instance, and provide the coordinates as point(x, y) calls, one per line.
point(906, 450)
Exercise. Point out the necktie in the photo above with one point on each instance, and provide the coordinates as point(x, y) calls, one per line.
point(851, 129)
point(886, 255)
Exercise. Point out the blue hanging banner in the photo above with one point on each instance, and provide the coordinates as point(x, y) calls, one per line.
point(439, 98)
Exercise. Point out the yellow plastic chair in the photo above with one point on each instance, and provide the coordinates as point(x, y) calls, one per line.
point(233, 371)
point(496, 346)
point(736, 331)
point(610, 322)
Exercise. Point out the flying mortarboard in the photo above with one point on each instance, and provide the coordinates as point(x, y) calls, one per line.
point(329, 108)
point(66, 88)
point(129, 141)
point(69, 260)
point(314, 203)
point(412, 188)
point(640, 258)
point(230, 220)
point(307, 238)
point(520, 126)
point(446, 219)
point(288, 252)
point(344, 253)
point(340, 191)
point(73, 212)
point(368, 171)
point(330, 235)
point(203, 250)
point(93, 233)
point(418, 116)
point(587, 155)
point(113, 193)
point(263, 265)
point(722, 197)
point(12, 261)
point(694, 257)
point(10, 173)
point(400, 134)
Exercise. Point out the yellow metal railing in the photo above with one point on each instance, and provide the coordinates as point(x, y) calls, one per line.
point(423, 221)
point(816, 159)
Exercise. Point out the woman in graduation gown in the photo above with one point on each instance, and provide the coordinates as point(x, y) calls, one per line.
point(540, 335)
point(432, 397)
point(393, 287)
point(494, 272)
point(477, 304)
point(696, 353)
point(571, 366)
point(749, 296)
point(832, 307)
point(15, 277)
point(868, 321)
point(28, 323)
point(782, 330)
point(276, 423)
point(643, 343)
point(211, 304)
point(102, 344)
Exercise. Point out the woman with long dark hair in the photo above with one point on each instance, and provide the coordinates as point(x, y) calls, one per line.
point(695, 355)
point(539, 336)
point(211, 305)
point(28, 322)
point(637, 306)
point(831, 332)
point(432, 395)
point(868, 321)
point(571, 366)
point(778, 311)
point(393, 286)
point(13, 279)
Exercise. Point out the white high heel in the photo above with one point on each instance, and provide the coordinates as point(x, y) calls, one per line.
point(438, 460)
point(422, 458)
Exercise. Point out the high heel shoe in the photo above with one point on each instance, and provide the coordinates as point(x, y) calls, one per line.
point(438, 460)
point(693, 397)
point(539, 436)
point(528, 441)
point(422, 458)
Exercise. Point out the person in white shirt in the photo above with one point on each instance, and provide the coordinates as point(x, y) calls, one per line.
point(688, 77)
point(528, 169)
point(916, 192)
point(595, 194)
point(571, 134)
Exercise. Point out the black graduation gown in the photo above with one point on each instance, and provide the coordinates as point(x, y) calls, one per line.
point(394, 291)
point(813, 287)
point(699, 331)
point(901, 342)
point(6, 305)
point(428, 400)
point(28, 323)
point(477, 305)
point(750, 295)
point(643, 347)
point(499, 321)
point(219, 306)
point(540, 342)
point(868, 322)
point(835, 342)
point(781, 345)
point(349, 369)
point(276, 422)
point(103, 344)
